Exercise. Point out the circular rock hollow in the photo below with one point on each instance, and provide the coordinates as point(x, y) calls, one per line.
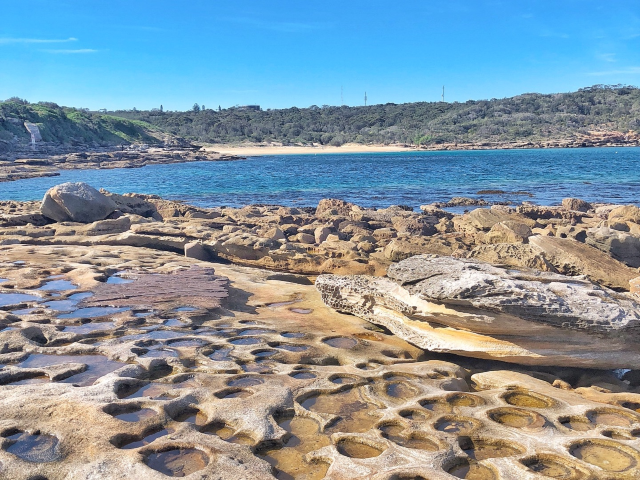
point(128, 443)
point(525, 398)
point(554, 466)
point(618, 435)
point(606, 454)
point(177, 462)
point(291, 347)
point(419, 441)
point(464, 400)
point(34, 448)
point(483, 448)
point(233, 393)
point(356, 449)
point(226, 433)
point(240, 382)
point(303, 375)
point(456, 424)
point(293, 334)
point(392, 431)
point(470, 469)
point(341, 342)
point(246, 341)
point(264, 353)
point(400, 390)
point(130, 413)
point(516, 418)
point(343, 379)
point(368, 365)
point(612, 418)
point(414, 415)
point(576, 423)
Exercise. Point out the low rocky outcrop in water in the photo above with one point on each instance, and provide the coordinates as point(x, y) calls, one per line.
point(343, 238)
point(470, 308)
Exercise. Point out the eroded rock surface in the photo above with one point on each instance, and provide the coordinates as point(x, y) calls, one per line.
point(471, 308)
point(266, 382)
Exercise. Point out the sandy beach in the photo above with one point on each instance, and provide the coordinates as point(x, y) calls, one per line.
point(255, 149)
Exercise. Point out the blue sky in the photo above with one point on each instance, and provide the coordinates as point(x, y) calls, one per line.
point(138, 53)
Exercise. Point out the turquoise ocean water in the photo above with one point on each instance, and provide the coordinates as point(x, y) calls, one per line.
point(374, 179)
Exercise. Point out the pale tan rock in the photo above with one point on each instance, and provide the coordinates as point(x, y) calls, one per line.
point(402, 248)
point(626, 213)
point(321, 234)
point(305, 238)
point(576, 204)
point(508, 231)
point(570, 257)
point(484, 219)
point(573, 232)
point(197, 251)
point(275, 234)
point(331, 206)
point(515, 255)
point(620, 245)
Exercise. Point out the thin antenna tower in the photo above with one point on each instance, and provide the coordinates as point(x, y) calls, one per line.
point(341, 95)
point(443, 94)
point(365, 99)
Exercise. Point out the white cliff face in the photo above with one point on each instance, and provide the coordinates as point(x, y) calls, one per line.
point(479, 310)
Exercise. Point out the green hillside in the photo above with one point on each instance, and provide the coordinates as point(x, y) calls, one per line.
point(71, 125)
point(527, 117)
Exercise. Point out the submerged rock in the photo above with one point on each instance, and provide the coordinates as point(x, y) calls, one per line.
point(470, 308)
point(76, 202)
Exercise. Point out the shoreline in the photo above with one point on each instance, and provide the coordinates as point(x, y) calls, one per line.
point(254, 150)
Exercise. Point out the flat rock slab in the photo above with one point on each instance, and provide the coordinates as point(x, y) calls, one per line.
point(475, 309)
point(196, 287)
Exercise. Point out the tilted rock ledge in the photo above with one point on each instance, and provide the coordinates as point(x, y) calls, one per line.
point(474, 309)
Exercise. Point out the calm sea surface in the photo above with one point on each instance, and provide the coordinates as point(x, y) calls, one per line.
point(374, 179)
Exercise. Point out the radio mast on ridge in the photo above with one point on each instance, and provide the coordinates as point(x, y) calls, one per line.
point(365, 99)
point(443, 93)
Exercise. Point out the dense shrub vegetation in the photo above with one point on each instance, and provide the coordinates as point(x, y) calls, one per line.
point(524, 117)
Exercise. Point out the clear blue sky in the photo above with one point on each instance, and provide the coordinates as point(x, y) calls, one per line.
point(142, 53)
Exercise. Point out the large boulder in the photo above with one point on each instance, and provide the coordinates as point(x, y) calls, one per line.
point(76, 202)
point(474, 309)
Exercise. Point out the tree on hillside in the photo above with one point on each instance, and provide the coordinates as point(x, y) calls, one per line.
point(195, 108)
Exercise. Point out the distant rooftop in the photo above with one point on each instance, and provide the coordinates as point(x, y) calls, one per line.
point(248, 107)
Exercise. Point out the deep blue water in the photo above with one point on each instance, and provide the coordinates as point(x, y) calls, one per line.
point(374, 179)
